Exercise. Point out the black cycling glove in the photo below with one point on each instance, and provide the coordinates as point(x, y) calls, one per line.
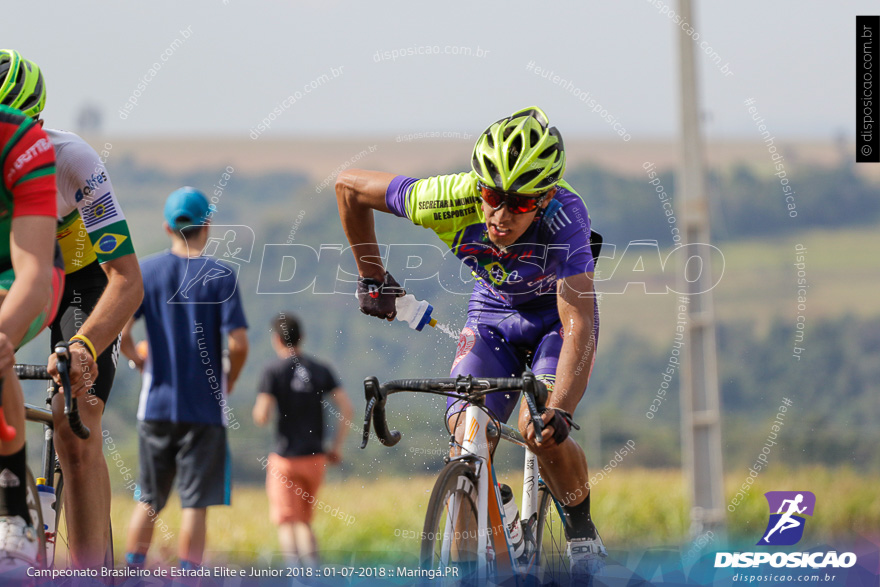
point(376, 298)
point(562, 423)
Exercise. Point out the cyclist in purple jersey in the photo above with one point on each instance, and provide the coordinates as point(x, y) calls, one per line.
point(525, 234)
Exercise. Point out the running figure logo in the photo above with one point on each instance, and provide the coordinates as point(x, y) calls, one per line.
point(786, 526)
point(233, 248)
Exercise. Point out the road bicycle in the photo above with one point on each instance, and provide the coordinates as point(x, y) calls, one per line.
point(465, 525)
point(54, 547)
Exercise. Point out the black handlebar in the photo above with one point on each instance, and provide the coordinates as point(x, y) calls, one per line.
point(31, 371)
point(71, 410)
point(468, 388)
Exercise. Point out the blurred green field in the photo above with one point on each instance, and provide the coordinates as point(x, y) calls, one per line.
point(759, 283)
point(632, 508)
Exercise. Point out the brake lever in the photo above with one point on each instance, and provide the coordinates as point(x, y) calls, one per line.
point(71, 410)
point(529, 390)
point(367, 417)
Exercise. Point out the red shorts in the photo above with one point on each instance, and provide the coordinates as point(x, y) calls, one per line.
point(291, 484)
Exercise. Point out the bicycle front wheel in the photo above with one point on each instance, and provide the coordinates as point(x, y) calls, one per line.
point(552, 547)
point(449, 538)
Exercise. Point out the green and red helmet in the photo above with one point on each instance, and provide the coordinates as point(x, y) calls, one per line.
point(520, 153)
point(21, 83)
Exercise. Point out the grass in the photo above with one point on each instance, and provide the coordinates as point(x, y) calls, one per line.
point(632, 507)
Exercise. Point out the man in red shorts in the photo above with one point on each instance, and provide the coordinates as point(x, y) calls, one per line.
point(299, 386)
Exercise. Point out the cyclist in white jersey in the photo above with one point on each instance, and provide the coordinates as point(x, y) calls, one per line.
point(103, 289)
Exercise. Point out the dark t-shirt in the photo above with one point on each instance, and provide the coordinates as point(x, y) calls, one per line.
point(188, 304)
point(298, 384)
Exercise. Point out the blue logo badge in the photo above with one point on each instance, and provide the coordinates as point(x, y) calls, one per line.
point(786, 525)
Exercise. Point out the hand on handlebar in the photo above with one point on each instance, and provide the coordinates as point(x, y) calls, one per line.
point(528, 430)
point(83, 371)
point(557, 425)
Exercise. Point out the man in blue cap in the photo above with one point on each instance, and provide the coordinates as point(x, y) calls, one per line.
point(190, 301)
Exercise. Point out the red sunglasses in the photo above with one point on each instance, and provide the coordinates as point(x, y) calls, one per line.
point(516, 203)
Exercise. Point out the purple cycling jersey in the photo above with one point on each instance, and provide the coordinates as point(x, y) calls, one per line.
point(512, 310)
point(555, 246)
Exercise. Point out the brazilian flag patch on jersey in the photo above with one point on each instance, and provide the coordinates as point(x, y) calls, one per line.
point(496, 272)
point(110, 242)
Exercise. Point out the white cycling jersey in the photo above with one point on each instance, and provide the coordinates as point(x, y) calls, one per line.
point(91, 224)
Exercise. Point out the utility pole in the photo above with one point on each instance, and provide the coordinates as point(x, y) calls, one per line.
point(700, 406)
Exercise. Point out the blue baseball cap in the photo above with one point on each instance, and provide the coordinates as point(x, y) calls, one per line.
point(186, 206)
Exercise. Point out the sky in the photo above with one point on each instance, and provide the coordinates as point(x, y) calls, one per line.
point(226, 65)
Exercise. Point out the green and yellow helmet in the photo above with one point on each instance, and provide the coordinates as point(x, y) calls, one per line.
point(21, 83)
point(520, 153)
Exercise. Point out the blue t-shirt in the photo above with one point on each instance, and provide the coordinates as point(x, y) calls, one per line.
point(555, 246)
point(189, 304)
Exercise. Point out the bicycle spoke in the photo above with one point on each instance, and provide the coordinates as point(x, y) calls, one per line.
point(553, 563)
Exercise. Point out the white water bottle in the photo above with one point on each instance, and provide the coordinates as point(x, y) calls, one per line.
point(511, 519)
point(414, 312)
point(47, 506)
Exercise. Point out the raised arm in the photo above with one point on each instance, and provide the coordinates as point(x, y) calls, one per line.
point(358, 193)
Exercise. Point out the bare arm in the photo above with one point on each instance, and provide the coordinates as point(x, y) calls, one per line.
point(127, 346)
point(31, 249)
point(358, 193)
point(118, 303)
point(579, 343)
point(238, 350)
point(340, 399)
point(578, 349)
point(262, 408)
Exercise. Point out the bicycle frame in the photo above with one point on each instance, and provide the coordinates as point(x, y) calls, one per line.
point(44, 416)
point(479, 430)
point(490, 513)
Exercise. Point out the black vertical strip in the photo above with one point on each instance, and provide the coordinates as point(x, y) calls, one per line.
point(867, 88)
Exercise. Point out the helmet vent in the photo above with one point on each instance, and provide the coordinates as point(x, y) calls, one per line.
point(507, 131)
point(490, 140)
point(35, 96)
point(525, 178)
point(516, 146)
point(493, 171)
point(534, 137)
point(547, 152)
point(14, 92)
point(548, 181)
